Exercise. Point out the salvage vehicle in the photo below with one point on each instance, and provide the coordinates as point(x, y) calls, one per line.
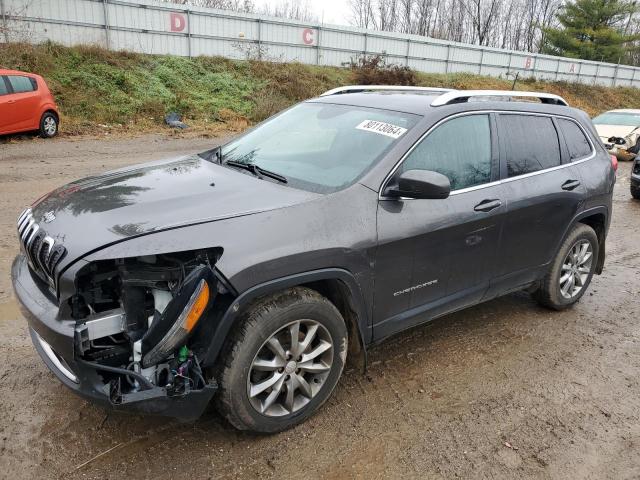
point(249, 273)
point(619, 130)
point(634, 181)
point(26, 105)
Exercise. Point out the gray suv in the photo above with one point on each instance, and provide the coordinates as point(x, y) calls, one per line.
point(248, 274)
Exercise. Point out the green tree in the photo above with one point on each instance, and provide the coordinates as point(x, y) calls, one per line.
point(592, 30)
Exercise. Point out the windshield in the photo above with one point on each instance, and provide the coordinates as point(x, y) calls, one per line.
point(618, 118)
point(320, 147)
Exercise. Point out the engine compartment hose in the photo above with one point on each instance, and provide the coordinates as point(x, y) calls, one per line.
point(123, 371)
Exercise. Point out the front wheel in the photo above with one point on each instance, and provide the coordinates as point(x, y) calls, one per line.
point(49, 125)
point(282, 362)
point(571, 270)
point(635, 192)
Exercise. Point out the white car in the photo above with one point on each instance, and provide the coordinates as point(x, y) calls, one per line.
point(619, 130)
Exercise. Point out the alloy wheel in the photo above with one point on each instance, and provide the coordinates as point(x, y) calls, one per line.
point(576, 269)
point(50, 126)
point(290, 368)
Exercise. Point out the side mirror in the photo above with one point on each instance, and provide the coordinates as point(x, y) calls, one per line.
point(420, 184)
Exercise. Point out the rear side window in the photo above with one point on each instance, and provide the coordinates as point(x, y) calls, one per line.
point(531, 144)
point(3, 87)
point(577, 143)
point(459, 149)
point(21, 84)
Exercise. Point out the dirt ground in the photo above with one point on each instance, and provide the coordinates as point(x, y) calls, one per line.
point(503, 390)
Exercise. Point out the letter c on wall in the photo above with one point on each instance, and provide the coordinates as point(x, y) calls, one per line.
point(178, 22)
point(308, 36)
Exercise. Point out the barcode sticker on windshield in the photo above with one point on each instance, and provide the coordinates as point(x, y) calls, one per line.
point(382, 128)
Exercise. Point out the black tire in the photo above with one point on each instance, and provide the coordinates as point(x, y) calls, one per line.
point(49, 125)
point(635, 192)
point(257, 325)
point(549, 294)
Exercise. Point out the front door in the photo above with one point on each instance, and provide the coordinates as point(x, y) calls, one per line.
point(436, 256)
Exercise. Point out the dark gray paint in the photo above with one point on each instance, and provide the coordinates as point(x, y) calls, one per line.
point(269, 231)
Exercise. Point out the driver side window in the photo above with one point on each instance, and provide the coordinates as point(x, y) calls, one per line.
point(460, 149)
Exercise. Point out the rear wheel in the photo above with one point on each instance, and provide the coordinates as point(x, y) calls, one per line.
point(49, 125)
point(282, 362)
point(571, 271)
point(635, 192)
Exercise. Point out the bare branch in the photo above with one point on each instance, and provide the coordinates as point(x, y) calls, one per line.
point(512, 24)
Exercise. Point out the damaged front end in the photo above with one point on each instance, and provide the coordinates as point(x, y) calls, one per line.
point(625, 149)
point(140, 327)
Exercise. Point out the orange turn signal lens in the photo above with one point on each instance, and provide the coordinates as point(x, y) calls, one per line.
point(198, 307)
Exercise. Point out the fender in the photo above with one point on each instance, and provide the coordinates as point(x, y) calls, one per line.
point(47, 106)
point(587, 213)
point(229, 317)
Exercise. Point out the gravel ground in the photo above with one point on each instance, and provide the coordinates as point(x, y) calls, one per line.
point(502, 390)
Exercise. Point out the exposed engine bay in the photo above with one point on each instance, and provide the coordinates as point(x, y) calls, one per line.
point(140, 322)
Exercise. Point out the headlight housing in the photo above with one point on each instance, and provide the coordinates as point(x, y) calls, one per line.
point(180, 318)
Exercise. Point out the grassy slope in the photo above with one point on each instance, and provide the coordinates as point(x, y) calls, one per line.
point(133, 91)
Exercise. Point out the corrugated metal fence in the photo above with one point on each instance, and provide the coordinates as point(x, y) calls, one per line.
point(160, 28)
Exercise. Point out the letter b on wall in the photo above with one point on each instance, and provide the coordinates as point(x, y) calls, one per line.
point(178, 22)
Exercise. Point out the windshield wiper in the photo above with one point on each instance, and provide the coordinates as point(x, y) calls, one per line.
point(257, 171)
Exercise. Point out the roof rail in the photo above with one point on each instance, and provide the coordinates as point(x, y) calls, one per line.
point(460, 96)
point(384, 88)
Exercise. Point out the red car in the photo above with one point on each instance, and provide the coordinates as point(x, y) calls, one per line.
point(26, 104)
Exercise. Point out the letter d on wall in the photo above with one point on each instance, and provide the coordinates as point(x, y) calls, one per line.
point(178, 22)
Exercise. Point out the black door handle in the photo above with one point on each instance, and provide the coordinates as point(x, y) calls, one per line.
point(487, 205)
point(570, 185)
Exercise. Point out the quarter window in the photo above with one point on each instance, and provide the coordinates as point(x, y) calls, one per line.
point(577, 143)
point(3, 87)
point(531, 144)
point(21, 84)
point(459, 149)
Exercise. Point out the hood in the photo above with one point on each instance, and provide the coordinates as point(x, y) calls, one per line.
point(607, 131)
point(97, 211)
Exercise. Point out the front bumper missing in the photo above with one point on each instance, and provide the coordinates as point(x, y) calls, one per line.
point(53, 339)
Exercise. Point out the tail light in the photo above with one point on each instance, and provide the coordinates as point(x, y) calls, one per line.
point(614, 163)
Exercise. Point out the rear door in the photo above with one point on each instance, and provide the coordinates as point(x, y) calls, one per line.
point(438, 255)
point(595, 169)
point(25, 102)
point(5, 105)
point(543, 190)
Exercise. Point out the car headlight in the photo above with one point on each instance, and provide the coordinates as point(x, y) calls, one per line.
point(180, 317)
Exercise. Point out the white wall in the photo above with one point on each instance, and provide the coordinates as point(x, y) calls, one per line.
point(160, 28)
